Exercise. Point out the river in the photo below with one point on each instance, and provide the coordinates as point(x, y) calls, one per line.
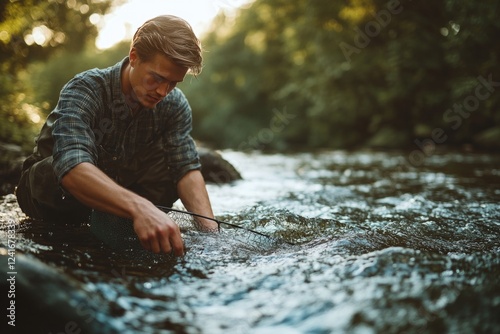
point(363, 242)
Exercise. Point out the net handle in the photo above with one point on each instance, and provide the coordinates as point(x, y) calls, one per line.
point(219, 222)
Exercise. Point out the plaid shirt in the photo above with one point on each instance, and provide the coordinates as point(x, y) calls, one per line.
point(93, 123)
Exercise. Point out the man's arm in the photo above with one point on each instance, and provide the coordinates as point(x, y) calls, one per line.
point(193, 194)
point(156, 231)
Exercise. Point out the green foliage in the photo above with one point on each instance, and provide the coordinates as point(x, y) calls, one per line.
point(287, 75)
point(32, 31)
point(47, 78)
point(19, 121)
point(358, 72)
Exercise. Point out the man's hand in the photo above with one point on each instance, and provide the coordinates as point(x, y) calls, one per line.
point(206, 225)
point(157, 232)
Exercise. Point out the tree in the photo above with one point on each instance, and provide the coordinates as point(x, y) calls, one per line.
point(33, 30)
point(352, 73)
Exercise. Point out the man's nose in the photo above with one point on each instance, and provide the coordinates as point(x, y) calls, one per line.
point(163, 89)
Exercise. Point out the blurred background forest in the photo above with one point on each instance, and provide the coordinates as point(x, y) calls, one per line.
point(286, 75)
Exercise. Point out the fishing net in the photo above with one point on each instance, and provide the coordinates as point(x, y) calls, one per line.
point(118, 233)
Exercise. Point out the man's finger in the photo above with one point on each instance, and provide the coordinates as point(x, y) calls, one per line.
point(155, 246)
point(164, 243)
point(177, 244)
point(145, 244)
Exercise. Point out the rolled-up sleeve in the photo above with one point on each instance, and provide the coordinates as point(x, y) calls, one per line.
point(74, 140)
point(180, 148)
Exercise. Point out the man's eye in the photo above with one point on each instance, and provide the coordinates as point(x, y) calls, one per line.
point(158, 79)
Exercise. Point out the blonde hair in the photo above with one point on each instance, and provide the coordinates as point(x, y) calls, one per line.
point(172, 36)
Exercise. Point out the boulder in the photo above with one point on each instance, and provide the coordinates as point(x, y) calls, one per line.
point(44, 300)
point(215, 169)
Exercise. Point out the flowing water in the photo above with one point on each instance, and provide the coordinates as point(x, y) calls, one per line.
point(379, 246)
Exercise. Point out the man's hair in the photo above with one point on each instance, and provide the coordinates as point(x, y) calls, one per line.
point(171, 36)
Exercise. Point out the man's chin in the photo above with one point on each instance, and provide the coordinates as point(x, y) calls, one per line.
point(149, 102)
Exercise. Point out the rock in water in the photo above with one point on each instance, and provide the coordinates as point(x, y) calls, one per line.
point(46, 300)
point(215, 168)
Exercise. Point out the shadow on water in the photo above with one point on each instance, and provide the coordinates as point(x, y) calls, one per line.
point(378, 246)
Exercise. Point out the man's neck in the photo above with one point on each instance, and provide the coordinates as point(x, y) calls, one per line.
point(128, 92)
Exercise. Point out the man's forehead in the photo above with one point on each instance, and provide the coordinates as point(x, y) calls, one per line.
point(165, 67)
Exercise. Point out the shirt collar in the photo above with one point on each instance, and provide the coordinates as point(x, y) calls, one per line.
point(118, 96)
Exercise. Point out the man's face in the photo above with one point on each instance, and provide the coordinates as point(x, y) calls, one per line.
point(152, 80)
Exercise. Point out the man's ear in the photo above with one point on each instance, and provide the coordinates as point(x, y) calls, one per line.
point(133, 57)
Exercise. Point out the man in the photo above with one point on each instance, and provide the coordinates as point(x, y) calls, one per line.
point(119, 141)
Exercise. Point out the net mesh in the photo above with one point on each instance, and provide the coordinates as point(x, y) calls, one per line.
point(119, 233)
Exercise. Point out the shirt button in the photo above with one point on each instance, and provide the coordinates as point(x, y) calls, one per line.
point(114, 158)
